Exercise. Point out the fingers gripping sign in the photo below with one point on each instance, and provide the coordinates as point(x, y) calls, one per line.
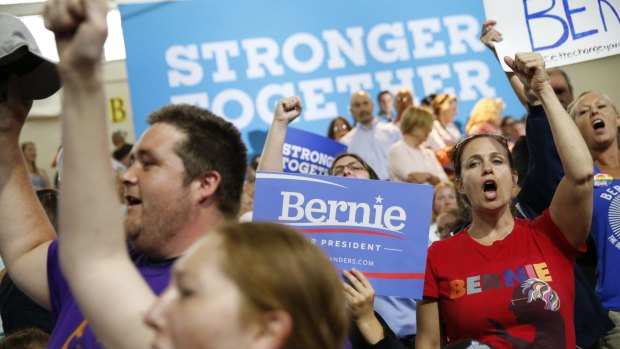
point(489, 35)
point(360, 294)
point(288, 109)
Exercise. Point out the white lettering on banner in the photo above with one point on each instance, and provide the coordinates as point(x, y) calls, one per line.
point(350, 244)
point(354, 49)
point(385, 42)
point(422, 31)
point(174, 58)
point(359, 213)
point(306, 154)
point(304, 53)
point(235, 96)
point(396, 45)
point(262, 52)
point(472, 81)
point(314, 96)
point(221, 51)
point(316, 49)
point(463, 29)
point(304, 160)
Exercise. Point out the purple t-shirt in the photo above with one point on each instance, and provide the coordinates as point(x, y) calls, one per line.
point(70, 328)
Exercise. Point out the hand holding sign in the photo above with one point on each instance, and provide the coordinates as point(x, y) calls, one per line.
point(359, 294)
point(489, 35)
point(530, 68)
point(360, 298)
point(288, 109)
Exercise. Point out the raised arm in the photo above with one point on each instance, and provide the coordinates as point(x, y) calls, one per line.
point(489, 36)
point(110, 292)
point(25, 231)
point(544, 166)
point(574, 193)
point(287, 110)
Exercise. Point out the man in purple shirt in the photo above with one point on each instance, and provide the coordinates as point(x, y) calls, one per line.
point(185, 176)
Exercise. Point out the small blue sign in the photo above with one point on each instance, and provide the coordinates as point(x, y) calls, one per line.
point(308, 153)
point(378, 227)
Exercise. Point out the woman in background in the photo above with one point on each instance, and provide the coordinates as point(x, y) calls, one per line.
point(38, 176)
point(598, 119)
point(444, 199)
point(338, 128)
point(485, 117)
point(445, 132)
point(408, 159)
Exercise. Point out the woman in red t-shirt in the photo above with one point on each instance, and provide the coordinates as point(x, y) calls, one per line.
point(504, 281)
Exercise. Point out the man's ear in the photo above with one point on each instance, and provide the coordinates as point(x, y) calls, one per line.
point(208, 184)
point(273, 330)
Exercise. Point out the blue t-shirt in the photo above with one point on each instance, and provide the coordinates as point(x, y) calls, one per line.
point(606, 234)
point(70, 328)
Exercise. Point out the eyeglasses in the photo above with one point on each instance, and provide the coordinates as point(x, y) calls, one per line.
point(342, 127)
point(353, 166)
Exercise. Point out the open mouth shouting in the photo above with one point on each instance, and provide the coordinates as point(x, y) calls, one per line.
point(598, 124)
point(132, 200)
point(489, 189)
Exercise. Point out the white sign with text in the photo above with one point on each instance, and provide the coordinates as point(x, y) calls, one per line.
point(563, 31)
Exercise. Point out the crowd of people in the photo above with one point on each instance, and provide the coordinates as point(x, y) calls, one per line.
point(515, 204)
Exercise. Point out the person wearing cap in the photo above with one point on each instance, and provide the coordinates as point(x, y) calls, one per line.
point(25, 75)
point(20, 55)
point(176, 192)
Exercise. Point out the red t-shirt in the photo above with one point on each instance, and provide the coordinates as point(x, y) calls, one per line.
point(519, 292)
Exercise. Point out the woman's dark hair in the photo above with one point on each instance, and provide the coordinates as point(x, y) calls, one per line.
point(371, 173)
point(456, 153)
point(330, 130)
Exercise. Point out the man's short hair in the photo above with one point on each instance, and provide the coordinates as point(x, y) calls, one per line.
point(560, 71)
point(211, 144)
point(385, 92)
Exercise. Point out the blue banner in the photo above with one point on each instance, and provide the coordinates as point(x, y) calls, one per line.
point(378, 227)
point(308, 153)
point(237, 58)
